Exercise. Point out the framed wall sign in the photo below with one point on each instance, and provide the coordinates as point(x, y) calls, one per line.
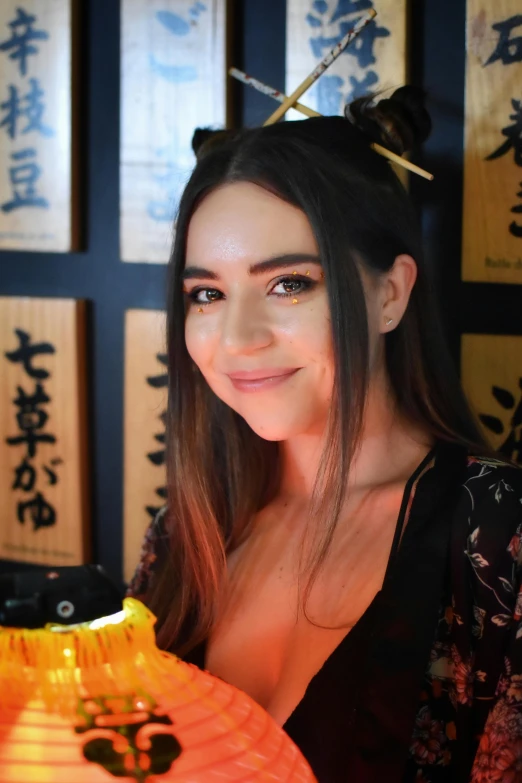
point(375, 60)
point(173, 79)
point(144, 427)
point(492, 379)
point(44, 512)
point(492, 219)
point(38, 175)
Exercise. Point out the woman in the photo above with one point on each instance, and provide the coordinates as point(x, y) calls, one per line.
point(339, 543)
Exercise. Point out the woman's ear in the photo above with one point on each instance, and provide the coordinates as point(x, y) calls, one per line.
point(396, 291)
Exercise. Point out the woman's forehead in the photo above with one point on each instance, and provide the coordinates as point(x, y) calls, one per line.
point(244, 223)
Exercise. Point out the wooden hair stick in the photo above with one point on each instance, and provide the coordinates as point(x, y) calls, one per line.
point(280, 97)
point(289, 102)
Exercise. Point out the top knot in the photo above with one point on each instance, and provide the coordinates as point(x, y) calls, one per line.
point(205, 140)
point(400, 122)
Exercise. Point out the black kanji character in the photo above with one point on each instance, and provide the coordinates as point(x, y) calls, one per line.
point(31, 418)
point(509, 50)
point(513, 134)
point(514, 227)
point(159, 381)
point(26, 352)
point(158, 457)
point(512, 445)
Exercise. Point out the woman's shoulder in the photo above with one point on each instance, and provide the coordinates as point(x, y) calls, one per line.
point(153, 548)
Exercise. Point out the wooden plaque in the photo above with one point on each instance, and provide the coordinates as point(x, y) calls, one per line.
point(492, 379)
point(38, 209)
point(43, 465)
point(145, 407)
point(492, 220)
point(375, 60)
point(173, 81)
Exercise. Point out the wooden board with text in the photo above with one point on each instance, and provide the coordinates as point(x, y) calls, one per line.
point(38, 185)
point(144, 427)
point(43, 449)
point(492, 219)
point(375, 60)
point(492, 379)
point(173, 80)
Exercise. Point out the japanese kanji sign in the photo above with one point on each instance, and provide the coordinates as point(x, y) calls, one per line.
point(375, 60)
point(145, 419)
point(492, 379)
point(492, 233)
point(43, 515)
point(37, 206)
point(173, 80)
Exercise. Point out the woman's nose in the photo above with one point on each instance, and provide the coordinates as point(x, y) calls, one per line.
point(245, 326)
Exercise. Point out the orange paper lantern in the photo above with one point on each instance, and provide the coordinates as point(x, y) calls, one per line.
point(98, 701)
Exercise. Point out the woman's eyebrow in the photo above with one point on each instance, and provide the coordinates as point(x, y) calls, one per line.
point(270, 265)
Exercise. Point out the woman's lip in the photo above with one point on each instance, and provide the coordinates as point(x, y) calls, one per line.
point(260, 375)
point(261, 384)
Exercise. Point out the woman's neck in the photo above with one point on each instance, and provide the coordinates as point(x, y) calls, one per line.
point(390, 447)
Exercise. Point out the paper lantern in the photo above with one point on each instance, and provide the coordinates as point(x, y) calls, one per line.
point(97, 701)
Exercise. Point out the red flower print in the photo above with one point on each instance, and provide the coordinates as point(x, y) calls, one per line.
point(518, 606)
point(514, 545)
point(464, 677)
point(429, 738)
point(498, 762)
point(515, 687)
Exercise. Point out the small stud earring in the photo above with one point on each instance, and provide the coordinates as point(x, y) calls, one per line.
point(388, 321)
point(295, 301)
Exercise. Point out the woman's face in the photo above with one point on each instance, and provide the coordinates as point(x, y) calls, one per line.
point(258, 321)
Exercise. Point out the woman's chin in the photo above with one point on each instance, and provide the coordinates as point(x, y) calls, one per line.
point(275, 431)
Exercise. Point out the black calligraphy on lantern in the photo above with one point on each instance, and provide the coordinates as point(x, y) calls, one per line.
point(32, 419)
point(509, 46)
point(513, 134)
point(22, 113)
point(158, 457)
point(512, 444)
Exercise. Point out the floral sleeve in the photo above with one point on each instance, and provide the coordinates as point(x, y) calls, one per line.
point(152, 551)
point(499, 755)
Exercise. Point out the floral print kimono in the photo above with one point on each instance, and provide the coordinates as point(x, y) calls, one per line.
point(427, 686)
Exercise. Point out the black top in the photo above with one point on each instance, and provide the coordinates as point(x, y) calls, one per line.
point(407, 693)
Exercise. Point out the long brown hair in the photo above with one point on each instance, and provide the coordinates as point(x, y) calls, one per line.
point(220, 473)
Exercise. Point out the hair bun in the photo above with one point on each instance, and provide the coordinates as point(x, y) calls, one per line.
point(206, 139)
point(399, 122)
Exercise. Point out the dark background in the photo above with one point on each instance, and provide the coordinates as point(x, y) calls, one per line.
point(437, 62)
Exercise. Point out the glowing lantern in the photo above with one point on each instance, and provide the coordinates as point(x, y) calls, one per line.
point(92, 702)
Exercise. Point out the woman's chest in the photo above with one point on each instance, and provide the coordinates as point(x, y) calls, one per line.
point(266, 646)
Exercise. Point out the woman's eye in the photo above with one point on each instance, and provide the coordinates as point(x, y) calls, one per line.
point(204, 295)
point(288, 286)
